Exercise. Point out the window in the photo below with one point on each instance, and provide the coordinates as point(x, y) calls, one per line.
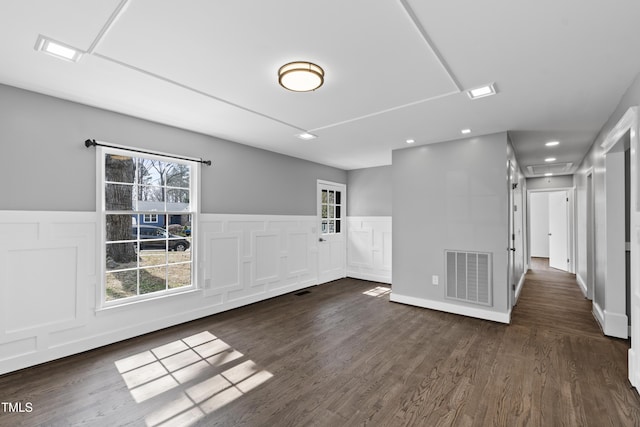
point(331, 211)
point(148, 213)
point(150, 218)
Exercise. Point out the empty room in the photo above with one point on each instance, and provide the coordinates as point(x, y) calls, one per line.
point(331, 213)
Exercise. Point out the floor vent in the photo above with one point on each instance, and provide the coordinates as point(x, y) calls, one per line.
point(468, 277)
point(302, 293)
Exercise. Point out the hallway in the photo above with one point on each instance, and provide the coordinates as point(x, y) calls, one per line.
point(566, 347)
point(551, 300)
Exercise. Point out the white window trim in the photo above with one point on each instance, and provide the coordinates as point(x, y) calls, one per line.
point(101, 302)
point(342, 204)
point(151, 220)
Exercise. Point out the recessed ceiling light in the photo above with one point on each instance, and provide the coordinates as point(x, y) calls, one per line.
point(548, 174)
point(552, 143)
point(301, 76)
point(482, 91)
point(410, 141)
point(57, 49)
point(306, 136)
point(550, 159)
point(465, 131)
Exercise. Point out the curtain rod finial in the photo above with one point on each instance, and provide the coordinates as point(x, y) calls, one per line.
point(90, 142)
point(207, 162)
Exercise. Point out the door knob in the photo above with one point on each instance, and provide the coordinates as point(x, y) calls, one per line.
point(321, 240)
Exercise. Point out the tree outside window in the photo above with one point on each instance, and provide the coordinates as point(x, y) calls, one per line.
point(141, 259)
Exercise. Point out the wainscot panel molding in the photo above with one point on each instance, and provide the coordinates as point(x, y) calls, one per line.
point(452, 308)
point(369, 248)
point(49, 268)
point(247, 258)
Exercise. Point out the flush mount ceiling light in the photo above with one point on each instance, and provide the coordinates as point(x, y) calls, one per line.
point(57, 49)
point(410, 141)
point(552, 143)
point(300, 76)
point(465, 131)
point(550, 159)
point(482, 91)
point(548, 174)
point(306, 136)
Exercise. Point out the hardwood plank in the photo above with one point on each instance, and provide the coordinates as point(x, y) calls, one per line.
point(337, 356)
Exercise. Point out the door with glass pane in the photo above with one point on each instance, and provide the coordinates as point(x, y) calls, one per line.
point(332, 254)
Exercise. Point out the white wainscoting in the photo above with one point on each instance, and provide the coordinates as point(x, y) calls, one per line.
point(369, 248)
point(48, 279)
point(247, 258)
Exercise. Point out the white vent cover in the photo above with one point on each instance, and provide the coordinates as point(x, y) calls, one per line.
point(468, 277)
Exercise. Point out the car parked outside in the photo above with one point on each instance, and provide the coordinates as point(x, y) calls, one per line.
point(152, 237)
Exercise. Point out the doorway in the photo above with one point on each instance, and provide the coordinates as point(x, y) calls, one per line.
point(551, 227)
point(332, 242)
point(559, 230)
point(516, 244)
point(612, 291)
point(622, 137)
point(591, 237)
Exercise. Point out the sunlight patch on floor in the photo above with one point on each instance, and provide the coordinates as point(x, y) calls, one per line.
point(378, 291)
point(174, 366)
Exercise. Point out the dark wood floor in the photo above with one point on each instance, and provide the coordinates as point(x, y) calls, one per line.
point(343, 355)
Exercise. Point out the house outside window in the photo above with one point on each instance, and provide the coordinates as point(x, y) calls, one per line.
point(147, 220)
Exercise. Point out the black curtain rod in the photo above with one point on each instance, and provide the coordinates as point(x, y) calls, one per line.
point(92, 143)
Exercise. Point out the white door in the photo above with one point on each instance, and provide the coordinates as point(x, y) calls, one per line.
point(332, 242)
point(558, 230)
point(539, 224)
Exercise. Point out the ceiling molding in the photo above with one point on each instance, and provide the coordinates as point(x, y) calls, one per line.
point(108, 25)
point(388, 110)
point(554, 168)
point(197, 91)
point(425, 36)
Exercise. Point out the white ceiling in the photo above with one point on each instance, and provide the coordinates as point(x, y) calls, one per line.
point(394, 69)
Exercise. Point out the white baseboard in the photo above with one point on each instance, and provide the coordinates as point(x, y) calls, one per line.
point(520, 286)
point(478, 313)
point(616, 325)
point(634, 375)
point(598, 314)
point(583, 285)
point(370, 277)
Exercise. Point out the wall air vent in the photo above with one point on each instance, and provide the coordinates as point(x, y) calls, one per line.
point(468, 277)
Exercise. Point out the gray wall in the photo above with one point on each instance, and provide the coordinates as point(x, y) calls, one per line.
point(550, 182)
point(44, 158)
point(369, 191)
point(451, 195)
point(595, 161)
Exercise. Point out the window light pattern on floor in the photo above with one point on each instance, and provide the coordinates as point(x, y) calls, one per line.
point(174, 366)
point(378, 291)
